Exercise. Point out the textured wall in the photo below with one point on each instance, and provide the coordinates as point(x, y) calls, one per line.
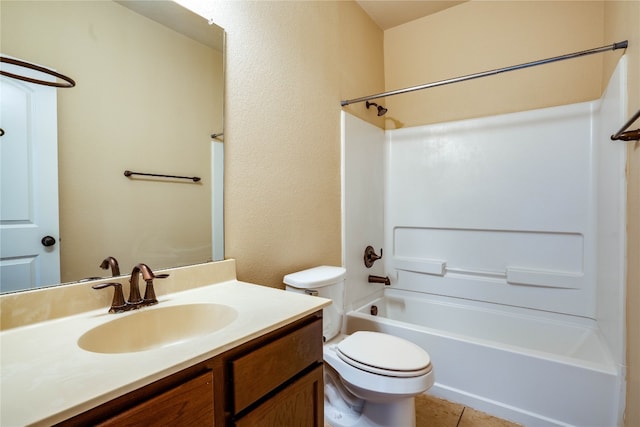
point(288, 66)
point(479, 36)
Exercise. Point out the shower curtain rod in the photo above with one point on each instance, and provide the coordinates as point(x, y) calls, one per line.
point(619, 45)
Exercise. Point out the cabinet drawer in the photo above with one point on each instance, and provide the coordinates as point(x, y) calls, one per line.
point(257, 373)
point(189, 404)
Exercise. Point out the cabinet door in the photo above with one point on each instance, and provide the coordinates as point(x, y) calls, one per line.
point(258, 373)
point(189, 404)
point(298, 405)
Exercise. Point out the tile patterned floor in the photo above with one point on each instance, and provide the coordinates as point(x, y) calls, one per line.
point(434, 412)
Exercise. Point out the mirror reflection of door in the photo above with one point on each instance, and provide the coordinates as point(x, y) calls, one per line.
point(29, 235)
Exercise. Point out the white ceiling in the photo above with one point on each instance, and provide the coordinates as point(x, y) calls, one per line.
point(390, 13)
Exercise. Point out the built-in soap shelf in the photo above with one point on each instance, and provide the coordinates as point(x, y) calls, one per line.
point(427, 266)
point(512, 275)
point(553, 279)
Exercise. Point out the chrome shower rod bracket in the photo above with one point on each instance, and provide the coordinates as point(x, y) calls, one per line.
point(615, 46)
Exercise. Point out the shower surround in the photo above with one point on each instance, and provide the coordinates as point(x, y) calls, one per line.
point(521, 214)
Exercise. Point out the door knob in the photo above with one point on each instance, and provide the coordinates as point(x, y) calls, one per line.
point(48, 241)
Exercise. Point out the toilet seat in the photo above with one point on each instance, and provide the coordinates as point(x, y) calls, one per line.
point(375, 387)
point(384, 354)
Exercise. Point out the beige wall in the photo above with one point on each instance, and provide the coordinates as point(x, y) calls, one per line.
point(621, 23)
point(485, 35)
point(113, 53)
point(288, 66)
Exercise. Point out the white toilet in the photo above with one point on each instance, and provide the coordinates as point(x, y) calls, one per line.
point(371, 378)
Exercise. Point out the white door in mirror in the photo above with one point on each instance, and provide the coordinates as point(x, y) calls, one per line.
point(29, 235)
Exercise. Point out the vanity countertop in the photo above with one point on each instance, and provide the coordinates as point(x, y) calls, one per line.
point(46, 377)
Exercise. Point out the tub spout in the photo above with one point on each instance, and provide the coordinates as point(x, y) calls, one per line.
point(380, 279)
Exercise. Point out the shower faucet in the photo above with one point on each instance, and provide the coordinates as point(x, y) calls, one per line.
point(370, 256)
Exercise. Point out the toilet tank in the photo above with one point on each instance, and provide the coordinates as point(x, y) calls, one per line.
point(327, 282)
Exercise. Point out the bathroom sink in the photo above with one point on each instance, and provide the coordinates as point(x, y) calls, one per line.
point(157, 327)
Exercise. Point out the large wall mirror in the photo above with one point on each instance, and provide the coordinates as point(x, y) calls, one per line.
point(148, 97)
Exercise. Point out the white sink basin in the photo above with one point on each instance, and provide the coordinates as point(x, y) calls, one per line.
point(157, 327)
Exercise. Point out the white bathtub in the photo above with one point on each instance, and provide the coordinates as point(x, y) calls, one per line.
point(535, 369)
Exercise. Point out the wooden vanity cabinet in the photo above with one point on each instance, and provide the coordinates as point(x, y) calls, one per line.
point(182, 399)
point(273, 380)
point(190, 403)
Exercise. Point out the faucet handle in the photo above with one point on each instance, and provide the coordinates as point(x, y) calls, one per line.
point(117, 305)
point(149, 293)
point(370, 256)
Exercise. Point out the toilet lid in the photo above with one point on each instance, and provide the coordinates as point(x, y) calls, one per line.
point(384, 354)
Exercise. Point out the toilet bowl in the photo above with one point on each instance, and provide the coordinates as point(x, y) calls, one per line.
point(371, 378)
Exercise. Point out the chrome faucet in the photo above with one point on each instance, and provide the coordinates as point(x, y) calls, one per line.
point(379, 279)
point(135, 301)
point(113, 263)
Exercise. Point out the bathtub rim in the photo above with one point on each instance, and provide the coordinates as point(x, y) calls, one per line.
point(608, 366)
